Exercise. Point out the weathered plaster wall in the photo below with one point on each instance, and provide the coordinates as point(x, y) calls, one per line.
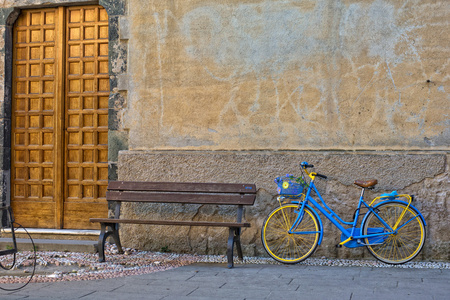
point(328, 74)
point(424, 175)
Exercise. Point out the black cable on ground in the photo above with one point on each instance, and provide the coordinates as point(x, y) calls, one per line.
point(14, 262)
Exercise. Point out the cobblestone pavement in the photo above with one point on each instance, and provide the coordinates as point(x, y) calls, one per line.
point(252, 281)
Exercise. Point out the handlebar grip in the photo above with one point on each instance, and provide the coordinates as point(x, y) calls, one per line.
point(306, 165)
point(321, 176)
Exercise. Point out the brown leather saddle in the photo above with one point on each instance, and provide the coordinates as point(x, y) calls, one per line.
point(366, 183)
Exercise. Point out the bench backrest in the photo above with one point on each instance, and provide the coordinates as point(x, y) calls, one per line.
point(182, 192)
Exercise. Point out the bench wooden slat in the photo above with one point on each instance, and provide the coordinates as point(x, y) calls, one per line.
point(182, 187)
point(170, 222)
point(155, 197)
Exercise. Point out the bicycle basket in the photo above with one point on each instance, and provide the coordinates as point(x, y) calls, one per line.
point(290, 185)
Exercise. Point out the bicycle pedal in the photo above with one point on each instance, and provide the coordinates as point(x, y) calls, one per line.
point(338, 246)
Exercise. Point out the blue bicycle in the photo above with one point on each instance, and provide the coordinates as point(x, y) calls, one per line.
point(392, 229)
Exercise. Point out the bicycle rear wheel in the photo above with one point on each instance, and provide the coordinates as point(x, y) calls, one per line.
point(396, 248)
point(285, 247)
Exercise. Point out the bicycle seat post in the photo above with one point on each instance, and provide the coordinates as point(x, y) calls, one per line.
point(362, 193)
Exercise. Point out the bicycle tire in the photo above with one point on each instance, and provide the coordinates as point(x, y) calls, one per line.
point(396, 248)
point(290, 248)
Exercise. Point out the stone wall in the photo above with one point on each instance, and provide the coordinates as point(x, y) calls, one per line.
point(423, 175)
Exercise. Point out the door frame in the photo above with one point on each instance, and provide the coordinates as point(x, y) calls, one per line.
point(116, 10)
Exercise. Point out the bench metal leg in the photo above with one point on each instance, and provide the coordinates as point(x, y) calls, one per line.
point(234, 237)
point(237, 241)
point(104, 234)
point(115, 235)
point(101, 242)
point(230, 248)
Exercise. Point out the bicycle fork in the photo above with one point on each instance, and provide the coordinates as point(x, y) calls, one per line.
point(300, 213)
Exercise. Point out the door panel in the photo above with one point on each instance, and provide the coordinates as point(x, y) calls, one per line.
point(86, 117)
point(33, 121)
point(60, 117)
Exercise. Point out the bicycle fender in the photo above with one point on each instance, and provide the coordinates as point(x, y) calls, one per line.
point(397, 201)
point(318, 218)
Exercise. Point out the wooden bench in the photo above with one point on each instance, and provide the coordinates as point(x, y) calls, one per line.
point(177, 192)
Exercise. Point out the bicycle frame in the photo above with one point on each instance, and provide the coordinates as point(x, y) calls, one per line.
point(336, 220)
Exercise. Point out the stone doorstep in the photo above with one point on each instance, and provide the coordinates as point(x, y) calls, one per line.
point(65, 240)
point(55, 234)
point(50, 245)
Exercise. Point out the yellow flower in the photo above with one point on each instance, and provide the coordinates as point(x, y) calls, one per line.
point(285, 185)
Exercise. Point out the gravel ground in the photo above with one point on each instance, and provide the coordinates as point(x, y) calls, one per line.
point(69, 266)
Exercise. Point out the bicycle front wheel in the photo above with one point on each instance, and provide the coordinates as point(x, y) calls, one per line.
point(397, 248)
point(285, 247)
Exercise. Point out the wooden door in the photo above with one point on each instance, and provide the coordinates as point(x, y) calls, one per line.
point(60, 117)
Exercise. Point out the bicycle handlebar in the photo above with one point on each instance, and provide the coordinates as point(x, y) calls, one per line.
point(321, 176)
point(305, 165)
